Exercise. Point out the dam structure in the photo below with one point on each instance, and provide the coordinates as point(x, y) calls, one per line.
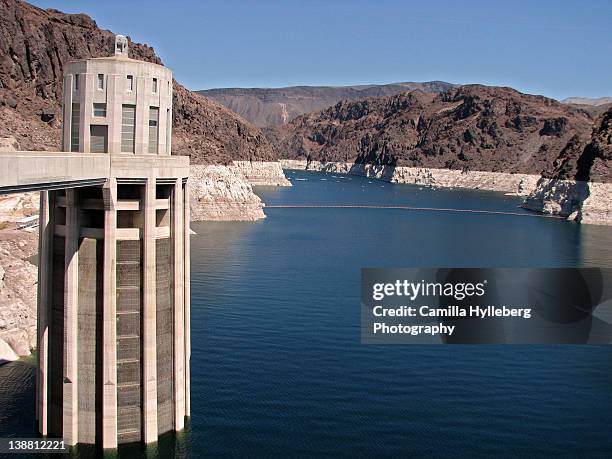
point(113, 290)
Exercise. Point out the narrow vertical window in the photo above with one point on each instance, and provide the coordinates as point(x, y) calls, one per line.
point(128, 128)
point(168, 132)
point(75, 122)
point(76, 82)
point(168, 87)
point(100, 81)
point(130, 83)
point(153, 129)
point(99, 109)
point(154, 84)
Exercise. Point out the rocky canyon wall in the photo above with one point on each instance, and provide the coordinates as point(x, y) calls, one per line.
point(581, 201)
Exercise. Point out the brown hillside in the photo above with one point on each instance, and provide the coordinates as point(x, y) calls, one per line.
point(470, 127)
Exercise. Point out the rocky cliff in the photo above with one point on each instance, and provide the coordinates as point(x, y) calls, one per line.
point(579, 185)
point(222, 193)
point(465, 128)
point(18, 281)
point(35, 44)
point(271, 107)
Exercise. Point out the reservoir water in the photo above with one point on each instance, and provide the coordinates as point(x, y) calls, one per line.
point(277, 363)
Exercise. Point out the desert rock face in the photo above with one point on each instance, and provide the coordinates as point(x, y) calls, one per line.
point(222, 193)
point(580, 184)
point(466, 128)
point(211, 134)
point(18, 282)
point(594, 163)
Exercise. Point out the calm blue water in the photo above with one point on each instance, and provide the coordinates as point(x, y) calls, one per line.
point(277, 364)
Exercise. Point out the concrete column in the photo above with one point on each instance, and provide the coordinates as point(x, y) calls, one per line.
point(178, 230)
point(70, 373)
point(187, 299)
point(45, 240)
point(109, 326)
point(149, 329)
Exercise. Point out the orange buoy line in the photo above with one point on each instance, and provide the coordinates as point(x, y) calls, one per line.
point(431, 209)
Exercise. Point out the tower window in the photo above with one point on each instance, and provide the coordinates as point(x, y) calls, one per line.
point(128, 128)
point(130, 83)
point(99, 109)
point(76, 82)
point(154, 84)
point(75, 122)
point(153, 129)
point(100, 81)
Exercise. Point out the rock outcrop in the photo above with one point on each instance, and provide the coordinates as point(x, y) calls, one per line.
point(263, 173)
point(211, 134)
point(18, 281)
point(222, 193)
point(473, 128)
point(579, 186)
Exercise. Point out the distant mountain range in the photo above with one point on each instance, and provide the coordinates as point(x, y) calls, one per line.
point(588, 101)
point(273, 107)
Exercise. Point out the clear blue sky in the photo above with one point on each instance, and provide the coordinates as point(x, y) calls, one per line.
point(556, 48)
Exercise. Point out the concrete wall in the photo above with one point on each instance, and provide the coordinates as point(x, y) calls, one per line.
point(118, 90)
point(119, 255)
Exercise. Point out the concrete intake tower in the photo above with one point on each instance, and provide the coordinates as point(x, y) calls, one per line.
point(113, 331)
